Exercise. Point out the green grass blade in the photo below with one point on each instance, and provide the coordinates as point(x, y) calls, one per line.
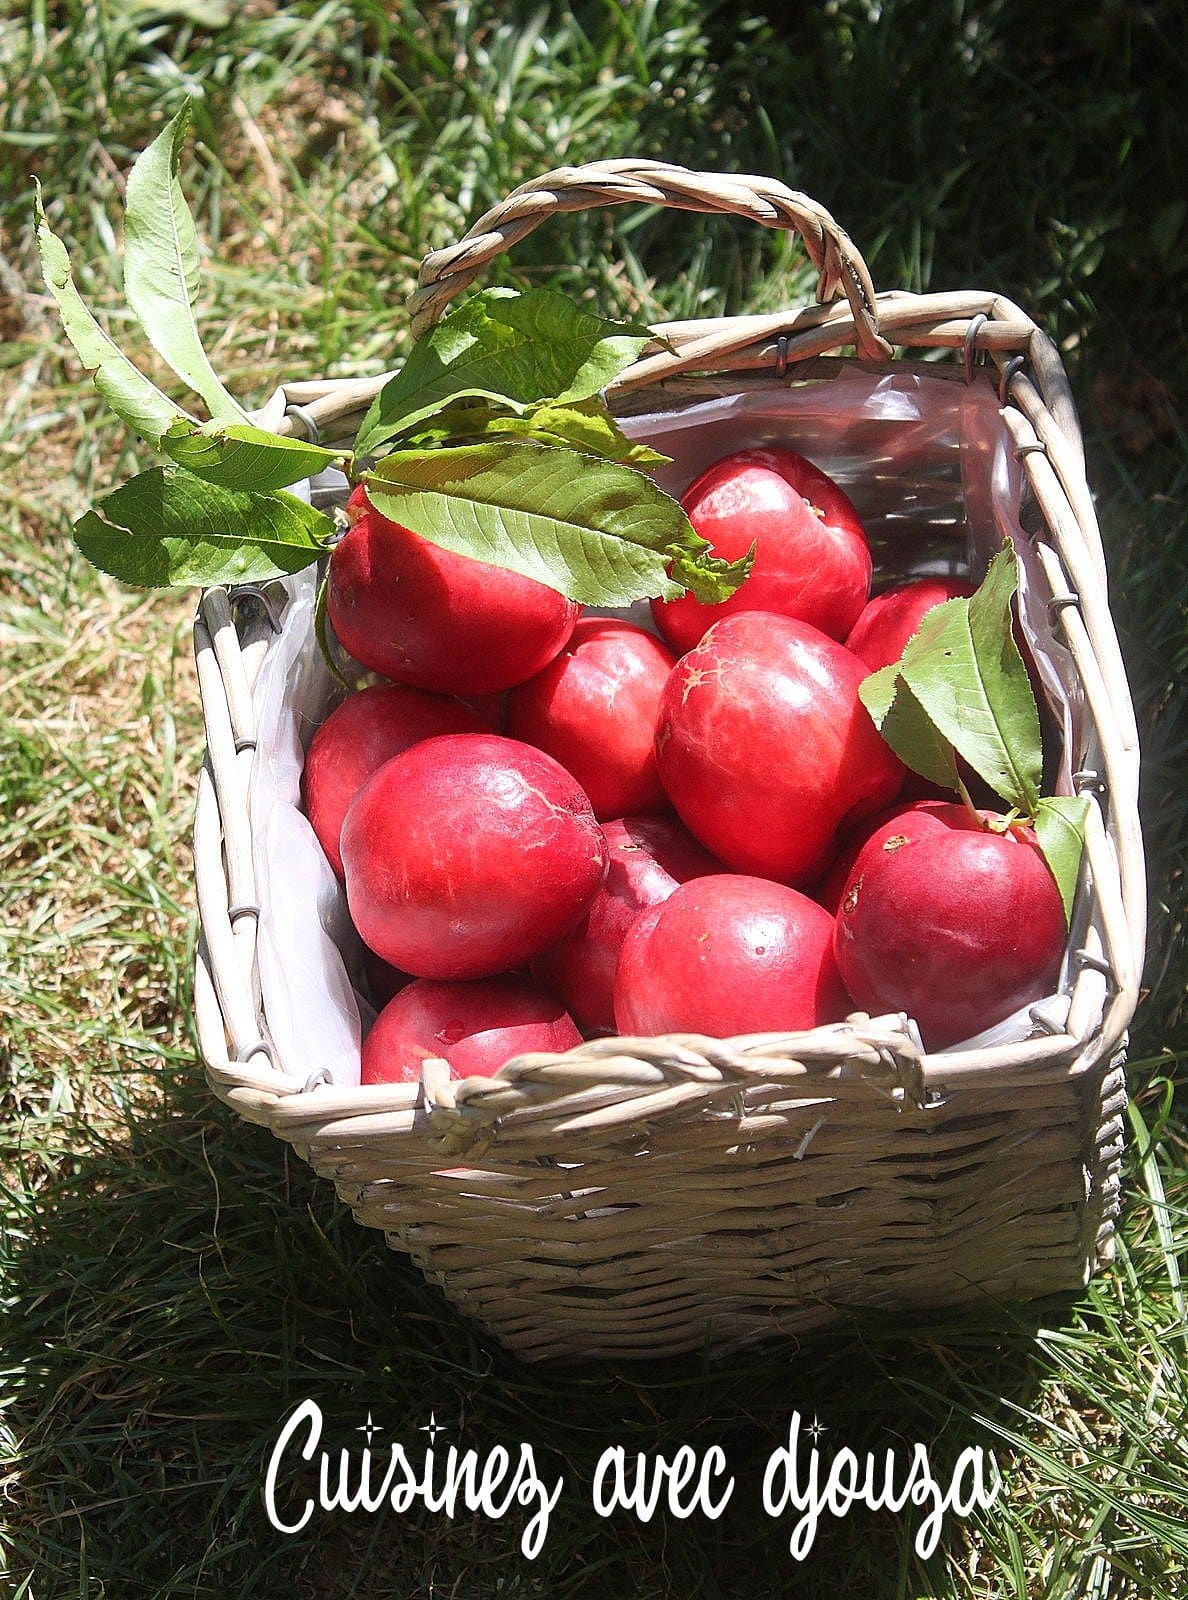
point(1161, 1214)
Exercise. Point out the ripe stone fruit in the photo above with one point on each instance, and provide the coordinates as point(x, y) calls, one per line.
point(593, 708)
point(476, 1027)
point(467, 854)
point(881, 635)
point(812, 559)
point(952, 918)
point(832, 887)
point(358, 736)
point(649, 857)
point(765, 748)
point(889, 620)
point(729, 955)
point(419, 614)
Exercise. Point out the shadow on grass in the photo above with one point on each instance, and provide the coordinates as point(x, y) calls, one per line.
point(180, 1289)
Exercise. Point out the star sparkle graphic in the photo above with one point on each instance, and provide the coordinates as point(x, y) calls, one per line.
point(815, 1429)
point(432, 1427)
point(369, 1428)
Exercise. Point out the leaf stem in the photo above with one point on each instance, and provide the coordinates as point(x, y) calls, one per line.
point(322, 634)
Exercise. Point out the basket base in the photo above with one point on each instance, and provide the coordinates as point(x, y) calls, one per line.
point(972, 1208)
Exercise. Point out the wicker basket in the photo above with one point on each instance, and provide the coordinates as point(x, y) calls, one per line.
point(641, 1197)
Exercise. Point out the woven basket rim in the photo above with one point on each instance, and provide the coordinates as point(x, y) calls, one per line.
point(1058, 1054)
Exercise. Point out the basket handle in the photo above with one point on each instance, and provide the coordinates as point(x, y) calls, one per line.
point(840, 267)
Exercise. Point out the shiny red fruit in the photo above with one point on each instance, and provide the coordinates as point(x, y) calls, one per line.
point(467, 854)
point(649, 857)
point(355, 740)
point(831, 888)
point(419, 614)
point(729, 955)
point(950, 919)
point(812, 559)
point(765, 749)
point(889, 620)
point(475, 1027)
point(881, 635)
point(594, 709)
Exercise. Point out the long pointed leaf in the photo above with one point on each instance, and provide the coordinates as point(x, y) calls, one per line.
point(588, 426)
point(907, 728)
point(599, 532)
point(133, 398)
point(1060, 832)
point(236, 455)
point(165, 529)
point(964, 668)
point(161, 267)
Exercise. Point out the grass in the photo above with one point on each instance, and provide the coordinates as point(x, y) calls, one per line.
point(173, 1280)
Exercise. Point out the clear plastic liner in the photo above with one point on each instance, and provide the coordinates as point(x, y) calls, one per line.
point(926, 460)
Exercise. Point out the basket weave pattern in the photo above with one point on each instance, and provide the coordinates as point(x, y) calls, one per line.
point(640, 1197)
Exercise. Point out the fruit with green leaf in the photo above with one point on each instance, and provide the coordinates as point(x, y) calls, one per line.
point(886, 627)
point(405, 607)
point(765, 748)
point(491, 440)
point(961, 694)
point(953, 916)
point(468, 854)
point(729, 955)
point(891, 619)
point(811, 561)
point(594, 709)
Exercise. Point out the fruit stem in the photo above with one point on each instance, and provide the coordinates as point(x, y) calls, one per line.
point(966, 800)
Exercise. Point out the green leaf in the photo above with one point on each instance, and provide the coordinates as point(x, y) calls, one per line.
point(1060, 829)
point(517, 349)
point(136, 401)
point(877, 692)
point(597, 531)
point(907, 727)
point(710, 578)
point(964, 668)
point(587, 425)
point(461, 422)
point(161, 266)
point(236, 455)
point(166, 529)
